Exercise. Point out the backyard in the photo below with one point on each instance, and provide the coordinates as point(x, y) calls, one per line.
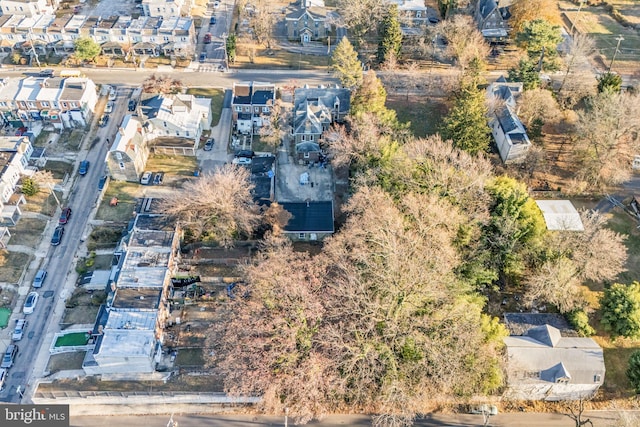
point(217, 97)
point(27, 232)
point(425, 114)
point(126, 193)
point(82, 307)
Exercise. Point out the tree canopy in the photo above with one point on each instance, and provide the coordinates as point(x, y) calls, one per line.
point(540, 40)
point(609, 82)
point(466, 123)
point(620, 306)
point(86, 49)
point(523, 11)
point(345, 64)
point(390, 36)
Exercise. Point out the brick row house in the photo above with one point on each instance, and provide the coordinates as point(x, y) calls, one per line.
point(251, 103)
point(118, 35)
point(61, 102)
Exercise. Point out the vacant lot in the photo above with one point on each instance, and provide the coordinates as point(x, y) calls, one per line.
point(65, 362)
point(253, 56)
point(216, 95)
point(82, 307)
point(425, 114)
point(180, 383)
point(11, 266)
point(104, 237)
point(172, 166)
point(27, 232)
point(43, 202)
point(126, 192)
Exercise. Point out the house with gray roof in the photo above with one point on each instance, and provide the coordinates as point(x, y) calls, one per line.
point(309, 23)
point(309, 220)
point(491, 18)
point(129, 152)
point(315, 110)
point(542, 364)
point(508, 131)
point(251, 105)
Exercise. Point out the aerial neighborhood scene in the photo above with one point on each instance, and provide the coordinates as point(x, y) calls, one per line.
point(337, 212)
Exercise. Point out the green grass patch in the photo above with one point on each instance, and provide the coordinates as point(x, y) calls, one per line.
point(190, 357)
point(251, 58)
point(216, 95)
point(12, 264)
point(72, 339)
point(172, 165)
point(127, 193)
point(104, 237)
point(59, 168)
point(27, 232)
point(5, 314)
point(424, 114)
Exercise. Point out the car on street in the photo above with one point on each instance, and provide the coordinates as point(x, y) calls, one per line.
point(104, 119)
point(109, 107)
point(38, 281)
point(84, 167)
point(9, 356)
point(3, 377)
point(112, 94)
point(208, 146)
point(216, 4)
point(241, 161)
point(146, 178)
point(65, 215)
point(47, 72)
point(132, 105)
point(57, 235)
point(207, 38)
point(203, 57)
point(18, 331)
point(30, 303)
point(102, 182)
point(212, 21)
point(158, 178)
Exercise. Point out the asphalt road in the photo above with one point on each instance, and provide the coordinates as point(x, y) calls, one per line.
point(599, 419)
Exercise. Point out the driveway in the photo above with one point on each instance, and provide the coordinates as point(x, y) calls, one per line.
point(209, 160)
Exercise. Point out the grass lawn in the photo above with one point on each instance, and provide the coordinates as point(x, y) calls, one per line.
point(59, 168)
point(104, 237)
point(72, 339)
point(5, 314)
point(43, 202)
point(72, 139)
point(102, 262)
point(216, 95)
point(265, 58)
point(172, 166)
point(190, 357)
point(425, 114)
point(625, 225)
point(126, 192)
point(27, 232)
point(11, 268)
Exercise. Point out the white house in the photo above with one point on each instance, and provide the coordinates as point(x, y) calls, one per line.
point(129, 152)
point(14, 157)
point(178, 116)
point(164, 8)
point(28, 7)
point(544, 365)
point(508, 131)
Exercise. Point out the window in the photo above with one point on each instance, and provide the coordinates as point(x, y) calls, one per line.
point(597, 378)
point(3, 104)
point(121, 165)
point(265, 109)
point(187, 133)
point(306, 155)
point(256, 109)
point(44, 103)
point(74, 105)
point(301, 235)
point(164, 124)
point(118, 155)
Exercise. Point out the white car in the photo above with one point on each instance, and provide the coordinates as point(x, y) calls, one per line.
point(216, 4)
point(112, 94)
point(21, 324)
point(241, 161)
point(30, 303)
point(109, 107)
point(146, 178)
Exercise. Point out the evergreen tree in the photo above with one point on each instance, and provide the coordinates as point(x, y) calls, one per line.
point(527, 73)
point(30, 187)
point(231, 47)
point(346, 65)
point(633, 371)
point(390, 36)
point(609, 82)
point(620, 307)
point(466, 124)
point(371, 97)
point(540, 39)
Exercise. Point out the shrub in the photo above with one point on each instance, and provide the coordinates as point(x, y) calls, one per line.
point(633, 371)
point(579, 320)
point(30, 187)
point(620, 307)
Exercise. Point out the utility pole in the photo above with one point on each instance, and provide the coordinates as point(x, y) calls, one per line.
point(619, 39)
point(573, 22)
point(286, 417)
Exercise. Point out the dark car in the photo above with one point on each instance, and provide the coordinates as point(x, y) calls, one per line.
point(208, 146)
point(57, 235)
point(212, 21)
point(102, 182)
point(132, 105)
point(64, 216)
point(84, 167)
point(9, 356)
point(203, 57)
point(158, 178)
point(47, 72)
point(207, 38)
point(104, 119)
point(433, 20)
point(245, 153)
point(21, 131)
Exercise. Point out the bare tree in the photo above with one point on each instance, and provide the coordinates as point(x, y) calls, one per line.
point(523, 11)
point(555, 282)
point(278, 125)
point(262, 23)
point(574, 409)
point(537, 104)
point(608, 138)
point(217, 206)
point(581, 47)
point(465, 42)
point(361, 17)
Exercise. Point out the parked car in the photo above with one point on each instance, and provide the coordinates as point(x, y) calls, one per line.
point(104, 119)
point(3, 377)
point(132, 105)
point(102, 182)
point(212, 21)
point(9, 356)
point(112, 94)
point(65, 215)
point(30, 303)
point(241, 161)
point(57, 235)
point(146, 178)
point(109, 107)
point(84, 167)
point(245, 153)
point(21, 131)
point(47, 72)
point(21, 325)
point(207, 38)
point(203, 57)
point(208, 146)
point(38, 281)
point(158, 178)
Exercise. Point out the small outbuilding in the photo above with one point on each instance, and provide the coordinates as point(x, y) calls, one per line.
point(560, 215)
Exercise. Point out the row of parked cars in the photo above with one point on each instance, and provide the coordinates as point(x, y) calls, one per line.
point(149, 178)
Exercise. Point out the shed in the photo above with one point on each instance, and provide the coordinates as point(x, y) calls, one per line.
point(560, 215)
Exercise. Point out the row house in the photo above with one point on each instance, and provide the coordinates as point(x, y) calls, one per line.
point(118, 35)
point(28, 7)
point(251, 102)
point(166, 8)
point(61, 102)
point(14, 157)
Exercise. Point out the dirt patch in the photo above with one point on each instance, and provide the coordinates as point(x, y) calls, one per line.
point(28, 232)
point(82, 307)
point(12, 264)
point(65, 362)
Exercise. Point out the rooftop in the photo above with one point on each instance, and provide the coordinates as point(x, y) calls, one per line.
point(137, 298)
point(309, 217)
